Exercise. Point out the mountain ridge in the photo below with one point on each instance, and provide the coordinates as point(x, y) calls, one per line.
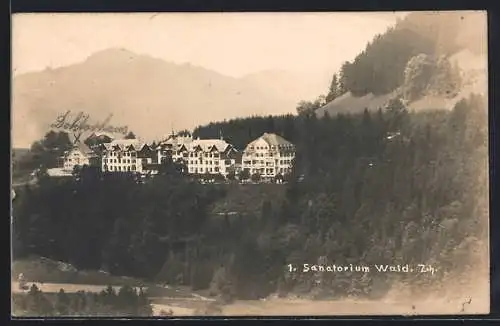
point(149, 94)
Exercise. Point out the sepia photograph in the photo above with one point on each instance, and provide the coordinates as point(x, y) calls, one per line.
point(249, 164)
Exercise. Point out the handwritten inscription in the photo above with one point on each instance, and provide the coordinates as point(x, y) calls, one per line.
point(80, 123)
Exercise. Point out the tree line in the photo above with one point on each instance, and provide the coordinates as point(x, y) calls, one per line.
point(124, 302)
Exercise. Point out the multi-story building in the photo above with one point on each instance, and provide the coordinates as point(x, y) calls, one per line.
point(170, 147)
point(127, 155)
point(268, 156)
point(79, 155)
point(201, 156)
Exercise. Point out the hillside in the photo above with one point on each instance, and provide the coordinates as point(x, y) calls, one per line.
point(474, 71)
point(247, 199)
point(149, 95)
point(383, 71)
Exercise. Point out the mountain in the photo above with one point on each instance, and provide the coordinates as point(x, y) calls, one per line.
point(149, 95)
point(430, 60)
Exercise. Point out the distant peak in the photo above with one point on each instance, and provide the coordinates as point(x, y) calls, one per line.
point(114, 54)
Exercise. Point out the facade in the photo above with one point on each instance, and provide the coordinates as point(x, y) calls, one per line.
point(79, 155)
point(269, 155)
point(127, 155)
point(170, 148)
point(201, 156)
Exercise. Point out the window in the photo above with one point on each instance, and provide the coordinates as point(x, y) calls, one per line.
point(133, 161)
point(133, 167)
point(216, 169)
point(128, 168)
point(133, 154)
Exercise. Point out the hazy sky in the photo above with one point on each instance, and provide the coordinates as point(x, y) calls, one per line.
point(230, 43)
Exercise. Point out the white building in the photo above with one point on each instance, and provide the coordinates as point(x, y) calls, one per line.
point(171, 146)
point(127, 155)
point(268, 156)
point(79, 155)
point(201, 156)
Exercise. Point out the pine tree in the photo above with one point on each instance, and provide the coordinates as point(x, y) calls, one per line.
point(62, 303)
point(334, 91)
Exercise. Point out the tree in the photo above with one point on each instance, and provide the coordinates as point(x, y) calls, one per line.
point(130, 135)
point(37, 304)
point(231, 174)
point(219, 177)
point(62, 303)
point(222, 285)
point(305, 108)
point(334, 91)
point(127, 300)
point(244, 175)
point(47, 152)
point(256, 177)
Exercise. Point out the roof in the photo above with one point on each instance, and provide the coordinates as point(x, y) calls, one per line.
point(124, 143)
point(82, 147)
point(103, 134)
point(272, 140)
point(207, 144)
point(177, 140)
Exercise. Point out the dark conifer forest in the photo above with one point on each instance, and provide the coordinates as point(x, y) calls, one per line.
point(385, 187)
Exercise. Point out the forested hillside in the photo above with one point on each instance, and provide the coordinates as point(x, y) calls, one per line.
point(384, 187)
point(412, 60)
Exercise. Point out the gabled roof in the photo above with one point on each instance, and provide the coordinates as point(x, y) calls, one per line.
point(272, 140)
point(83, 148)
point(123, 144)
point(208, 144)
